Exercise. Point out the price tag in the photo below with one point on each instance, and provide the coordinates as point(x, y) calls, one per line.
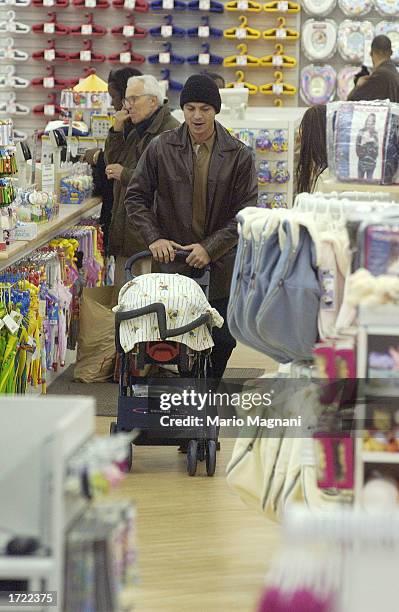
point(85, 56)
point(241, 60)
point(164, 85)
point(49, 28)
point(167, 4)
point(166, 31)
point(48, 82)
point(282, 7)
point(164, 58)
point(49, 55)
point(130, 4)
point(281, 33)
point(203, 32)
point(242, 5)
point(10, 324)
point(48, 178)
point(86, 29)
point(203, 59)
point(17, 316)
point(128, 30)
point(278, 89)
point(204, 5)
point(48, 2)
point(125, 57)
point(90, 3)
point(277, 60)
point(239, 85)
point(49, 110)
point(241, 33)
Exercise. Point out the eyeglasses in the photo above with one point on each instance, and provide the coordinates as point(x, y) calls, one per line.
point(129, 102)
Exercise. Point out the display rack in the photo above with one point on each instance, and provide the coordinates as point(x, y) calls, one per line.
point(37, 438)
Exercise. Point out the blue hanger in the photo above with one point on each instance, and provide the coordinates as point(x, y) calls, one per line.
point(213, 32)
point(174, 31)
point(206, 5)
point(173, 59)
point(172, 85)
point(168, 5)
point(213, 59)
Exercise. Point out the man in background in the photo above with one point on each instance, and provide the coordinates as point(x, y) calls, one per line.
point(383, 83)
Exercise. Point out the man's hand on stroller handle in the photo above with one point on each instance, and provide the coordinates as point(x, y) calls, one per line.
point(198, 257)
point(164, 250)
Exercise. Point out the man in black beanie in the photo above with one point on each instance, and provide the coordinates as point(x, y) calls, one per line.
point(188, 187)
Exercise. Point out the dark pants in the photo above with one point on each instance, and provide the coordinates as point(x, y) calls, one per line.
point(224, 342)
point(364, 169)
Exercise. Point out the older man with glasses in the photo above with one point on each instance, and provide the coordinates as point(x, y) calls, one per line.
point(144, 115)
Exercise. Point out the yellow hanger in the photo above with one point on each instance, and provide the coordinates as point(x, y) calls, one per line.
point(242, 59)
point(243, 5)
point(278, 6)
point(243, 31)
point(278, 102)
point(281, 32)
point(278, 59)
point(240, 82)
point(278, 88)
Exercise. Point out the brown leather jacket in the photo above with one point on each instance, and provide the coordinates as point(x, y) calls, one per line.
point(159, 197)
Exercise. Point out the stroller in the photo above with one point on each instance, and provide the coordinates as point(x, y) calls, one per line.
point(139, 404)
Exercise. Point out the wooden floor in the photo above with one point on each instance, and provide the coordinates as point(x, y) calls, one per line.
point(200, 548)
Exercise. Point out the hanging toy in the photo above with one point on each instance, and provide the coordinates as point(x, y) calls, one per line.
point(281, 174)
point(263, 142)
point(319, 39)
point(278, 201)
point(263, 200)
point(264, 173)
point(318, 84)
point(279, 142)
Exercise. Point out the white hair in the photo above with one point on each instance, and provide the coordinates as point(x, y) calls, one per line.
point(151, 86)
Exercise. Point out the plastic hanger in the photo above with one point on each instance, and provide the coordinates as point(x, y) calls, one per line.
point(9, 79)
point(166, 57)
point(51, 82)
point(51, 3)
point(9, 52)
point(168, 29)
point(204, 30)
point(138, 6)
point(100, 4)
point(243, 5)
point(89, 28)
point(87, 54)
point(50, 54)
point(278, 59)
point(12, 26)
point(126, 56)
point(206, 5)
point(172, 85)
point(243, 31)
point(281, 32)
point(242, 59)
point(51, 27)
point(278, 6)
point(17, 3)
point(129, 30)
point(168, 5)
point(278, 88)
point(12, 107)
point(49, 109)
point(241, 82)
point(204, 58)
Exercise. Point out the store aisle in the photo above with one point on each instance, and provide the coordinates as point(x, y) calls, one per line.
point(200, 548)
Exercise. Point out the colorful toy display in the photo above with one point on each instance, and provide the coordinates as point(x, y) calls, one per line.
point(318, 84)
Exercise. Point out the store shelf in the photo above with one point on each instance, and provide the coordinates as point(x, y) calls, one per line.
point(380, 457)
point(69, 215)
point(329, 186)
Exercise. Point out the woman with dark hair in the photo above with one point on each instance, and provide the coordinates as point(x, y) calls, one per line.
point(367, 148)
point(313, 149)
point(103, 186)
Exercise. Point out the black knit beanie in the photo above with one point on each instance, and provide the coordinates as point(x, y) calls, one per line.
point(201, 88)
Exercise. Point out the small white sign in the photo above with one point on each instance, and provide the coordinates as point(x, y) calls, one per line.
point(167, 4)
point(10, 324)
point(203, 59)
point(281, 33)
point(166, 31)
point(86, 29)
point(49, 55)
point(203, 32)
point(277, 60)
point(48, 82)
point(282, 7)
point(85, 56)
point(90, 3)
point(49, 110)
point(164, 58)
point(48, 178)
point(125, 57)
point(48, 2)
point(242, 5)
point(128, 30)
point(241, 60)
point(130, 4)
point(241, 33)
point(239, 85)
point(278, 88)
point(49, 28)
point(204, 5)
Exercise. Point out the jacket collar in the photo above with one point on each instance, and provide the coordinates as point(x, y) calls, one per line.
point(224, 141)
point(388, 65)
point(159, 118)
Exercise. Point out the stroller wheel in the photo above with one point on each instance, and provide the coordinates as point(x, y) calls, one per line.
point(192, 452)
point(113, 429)
point(211, 457)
